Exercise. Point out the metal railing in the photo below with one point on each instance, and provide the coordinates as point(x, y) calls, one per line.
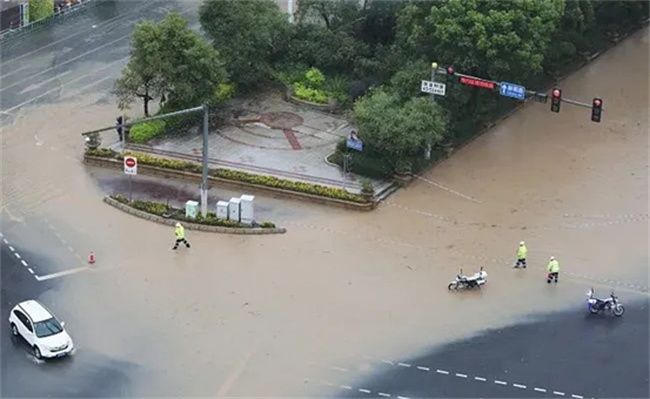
point(14, 33)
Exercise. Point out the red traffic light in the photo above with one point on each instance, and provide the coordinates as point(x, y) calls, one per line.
point(450, 70)
point(597, 103)
point(557, 93)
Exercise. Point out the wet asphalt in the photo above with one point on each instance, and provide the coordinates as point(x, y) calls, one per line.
point(572, 353)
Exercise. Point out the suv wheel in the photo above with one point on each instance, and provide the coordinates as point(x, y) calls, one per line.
point(37, 352)
point(14, 330)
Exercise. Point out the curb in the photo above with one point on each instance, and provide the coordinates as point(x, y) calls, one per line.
point(192, 226)
point(109, 163)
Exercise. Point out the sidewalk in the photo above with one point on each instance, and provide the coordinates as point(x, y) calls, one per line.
point(272, 138)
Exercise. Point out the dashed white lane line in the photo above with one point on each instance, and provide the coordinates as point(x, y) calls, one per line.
point(539, 389)
point(558, 393)
point(30, 270)
point(385, 395)
point(461, 375)
point(11, 248)
point(23, 262)
point(346, 387)
point(403, 397)
point(365, 390)
point(442, 371)
point(5, 241)
point(499, 382)
point(423, 368)
point(519, 386)
point(577, 396)
point(17, 255)
point(480, 379)
point(404, 364)
point(387, 362)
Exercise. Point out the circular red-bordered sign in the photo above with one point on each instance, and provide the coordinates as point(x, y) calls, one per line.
point(130, 162)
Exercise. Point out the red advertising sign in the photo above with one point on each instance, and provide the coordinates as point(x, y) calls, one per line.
point(477, 82)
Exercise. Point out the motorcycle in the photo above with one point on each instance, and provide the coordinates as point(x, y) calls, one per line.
point(462, 281)
point(612, 304)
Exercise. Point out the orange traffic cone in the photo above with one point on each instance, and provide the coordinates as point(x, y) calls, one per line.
point(91, 258)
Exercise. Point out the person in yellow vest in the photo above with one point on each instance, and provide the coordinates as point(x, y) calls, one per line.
point(522, 253)
point(180, 236)
point(553, 270)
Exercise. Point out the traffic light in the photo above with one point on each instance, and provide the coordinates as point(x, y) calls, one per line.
point(556, 99)
point(450, 70)
point(596, 109)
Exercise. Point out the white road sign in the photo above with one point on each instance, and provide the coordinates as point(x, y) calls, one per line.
point(130, 165)
point(430, 87)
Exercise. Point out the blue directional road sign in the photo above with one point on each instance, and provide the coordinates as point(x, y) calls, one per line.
point(512, 90)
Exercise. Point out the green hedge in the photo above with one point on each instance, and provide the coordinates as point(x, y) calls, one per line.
point(160, 209)
point(267, 181)
point(40, 9)
point(144, 132)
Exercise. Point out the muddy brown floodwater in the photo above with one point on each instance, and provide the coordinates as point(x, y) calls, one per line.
point(247, 316)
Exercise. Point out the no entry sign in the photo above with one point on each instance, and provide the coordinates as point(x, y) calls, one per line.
point(130, 165)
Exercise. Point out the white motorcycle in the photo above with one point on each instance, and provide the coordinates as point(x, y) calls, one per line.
point(461, 281)
point(611, 304)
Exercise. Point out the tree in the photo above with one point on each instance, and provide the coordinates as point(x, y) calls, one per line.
point(248, 34)
point(171, 63)
point(40, 9)
point(398, 130)
point(502, 40)
point(336, 15)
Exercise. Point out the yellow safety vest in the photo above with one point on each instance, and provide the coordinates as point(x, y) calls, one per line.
point(180, 233)
point(554, 266)
point(523, 251)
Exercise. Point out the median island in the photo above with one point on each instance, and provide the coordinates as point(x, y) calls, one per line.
point(165, 214)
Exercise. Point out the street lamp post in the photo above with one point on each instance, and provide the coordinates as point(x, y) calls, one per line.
point(434, 68)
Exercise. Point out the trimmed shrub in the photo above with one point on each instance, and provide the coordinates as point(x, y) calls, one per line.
point(40, 9)
point(234, 175)
point(144, 132)
point(160, 209)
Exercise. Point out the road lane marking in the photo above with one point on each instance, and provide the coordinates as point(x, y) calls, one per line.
point(387, 362)
point(11, 248)
point(442, 371)
point(577, 396)
point(364, 390)
point(540, 389)
point(30, 270)
point(345, 386)
point(500, 382)
point(403, 397)
point(404, 364)
point(5, 241)
point(519, 386)
point(23, 262)
point(40, 84)
point(62, 274)
point(423, 368)
point(558, 393)
point(80, 77)
point(17, 255)
point(461, 375)
point(449, 190)
point(385, 395)
point(480, 379)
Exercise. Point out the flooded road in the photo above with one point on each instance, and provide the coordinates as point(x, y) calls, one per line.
point(248, 315)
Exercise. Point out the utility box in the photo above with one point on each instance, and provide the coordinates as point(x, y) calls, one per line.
point(247, 209)
point(234, 209)
point(222, 210)
point(191, 209)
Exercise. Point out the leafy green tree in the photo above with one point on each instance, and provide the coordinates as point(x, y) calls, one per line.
point(248, 34)
point(335, 15)
point(171, 63)
point(499, 39)
point(39, 9)
point(398, 129)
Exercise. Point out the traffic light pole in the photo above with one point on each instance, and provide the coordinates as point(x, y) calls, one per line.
point(529, 93)
point(204, 175)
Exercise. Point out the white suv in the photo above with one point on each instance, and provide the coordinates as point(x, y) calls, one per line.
point(42, 331)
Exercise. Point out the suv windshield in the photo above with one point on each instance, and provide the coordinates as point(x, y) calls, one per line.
point(47, 328)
